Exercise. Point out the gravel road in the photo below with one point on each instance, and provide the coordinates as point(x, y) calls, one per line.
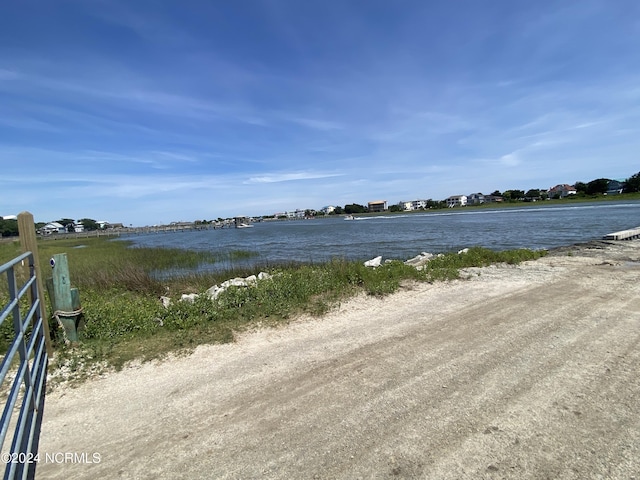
point(528, 371)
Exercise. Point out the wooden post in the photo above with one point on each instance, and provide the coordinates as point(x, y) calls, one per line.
point(27, 231)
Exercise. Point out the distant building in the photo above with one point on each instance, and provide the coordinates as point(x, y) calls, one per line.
point(563, 190)
point(456, 201)
point(615, 187)
point(53, 227)
point(413, 205)
point(328, 209)
point(475, 199)
point(378, 206)
point(419, 204)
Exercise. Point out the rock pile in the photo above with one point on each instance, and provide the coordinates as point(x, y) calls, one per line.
point(418, 261)
point(215, 291)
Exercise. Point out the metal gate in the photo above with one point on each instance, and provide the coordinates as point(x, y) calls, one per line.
point(23, 372)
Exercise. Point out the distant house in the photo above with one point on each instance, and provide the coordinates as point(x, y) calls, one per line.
point(53, 227)
point(419, 204)
point(475, 199)
point(456, 201)
point(78, 227)
point(561, 191)
point(493, 199)
point(378, 206)
point(413, 205)
point(328, 209)
point(615, 187)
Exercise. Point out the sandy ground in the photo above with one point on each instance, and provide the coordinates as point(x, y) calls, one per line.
point(519, 372)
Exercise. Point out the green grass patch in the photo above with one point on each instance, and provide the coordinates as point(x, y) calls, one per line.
point(124, 319)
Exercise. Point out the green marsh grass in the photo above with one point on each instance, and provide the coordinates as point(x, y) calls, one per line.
point(124, 319)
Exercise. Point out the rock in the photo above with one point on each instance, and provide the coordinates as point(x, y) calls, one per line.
point(374, 262)
point(419, 260)
point(166, 301)
point(214, 291)
point(189, 297)
point(251, 280)
point(234, 282)
point(464, 250)
point(264, 276)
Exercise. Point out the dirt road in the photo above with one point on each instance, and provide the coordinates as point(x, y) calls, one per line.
point(517, 372)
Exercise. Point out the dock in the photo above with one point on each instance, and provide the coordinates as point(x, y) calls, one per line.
point(624, 234)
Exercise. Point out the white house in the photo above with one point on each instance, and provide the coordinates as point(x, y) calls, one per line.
point(406, 206)
point(418, 204)
point(53, 227)
point(328, 209)
point(456, 201)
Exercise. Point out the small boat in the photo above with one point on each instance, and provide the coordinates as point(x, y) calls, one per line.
point(244, 225)
point(349, 217)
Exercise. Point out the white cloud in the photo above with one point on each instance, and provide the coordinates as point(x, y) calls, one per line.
point(289, 177)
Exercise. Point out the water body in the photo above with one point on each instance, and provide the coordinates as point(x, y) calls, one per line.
point(402, 236)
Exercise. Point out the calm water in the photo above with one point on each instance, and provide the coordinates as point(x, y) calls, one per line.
point(404, 236)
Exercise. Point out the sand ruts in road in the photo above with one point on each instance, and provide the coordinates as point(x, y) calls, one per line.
point(527, 371)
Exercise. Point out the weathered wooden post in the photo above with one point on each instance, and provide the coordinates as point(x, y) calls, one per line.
point(64, 299)
point(28, 242)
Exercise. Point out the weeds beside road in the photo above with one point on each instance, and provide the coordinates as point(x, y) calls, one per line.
point(124, 320)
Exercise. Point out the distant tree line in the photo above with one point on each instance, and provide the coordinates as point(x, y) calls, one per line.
point(599, 186)
point(8, 228)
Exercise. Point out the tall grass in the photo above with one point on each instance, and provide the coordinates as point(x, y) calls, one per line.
point(124, 319)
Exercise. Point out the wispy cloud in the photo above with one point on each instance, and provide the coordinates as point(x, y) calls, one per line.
point(289, 177)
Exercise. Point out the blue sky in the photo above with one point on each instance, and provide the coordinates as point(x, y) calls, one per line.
point(152, 111)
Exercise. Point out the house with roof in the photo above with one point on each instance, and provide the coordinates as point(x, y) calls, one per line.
point(562, 191)
point(419, 204)
point(328, 209)
point(475, 199)
point(615, 187)
point(53, 227)
point(456, 201)
point(377, 206)
point(412, 205)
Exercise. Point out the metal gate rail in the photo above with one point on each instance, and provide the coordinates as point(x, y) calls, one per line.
point(26, 380)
